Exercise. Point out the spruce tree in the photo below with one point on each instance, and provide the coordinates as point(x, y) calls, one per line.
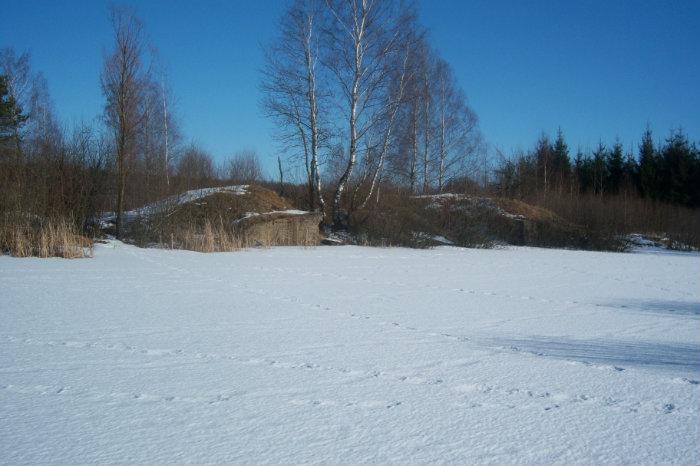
point(599, 169)
point(648, 167)
point(11, 117)
point(678, 160)
point(630, 171)
point(583, 167)
point(561, 165)
point(614, 166)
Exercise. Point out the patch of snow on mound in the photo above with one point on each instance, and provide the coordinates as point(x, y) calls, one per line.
point(175, 200)
point(273, 212)
point(640, 243)
point(438, 200)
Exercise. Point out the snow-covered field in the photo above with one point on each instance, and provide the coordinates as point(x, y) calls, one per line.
point(350, 355)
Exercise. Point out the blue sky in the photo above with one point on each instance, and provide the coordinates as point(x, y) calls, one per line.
point(598, 69)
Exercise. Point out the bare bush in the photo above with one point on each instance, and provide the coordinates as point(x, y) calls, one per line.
point(244, 168)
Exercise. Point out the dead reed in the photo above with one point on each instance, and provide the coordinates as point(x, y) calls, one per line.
point(31, 237)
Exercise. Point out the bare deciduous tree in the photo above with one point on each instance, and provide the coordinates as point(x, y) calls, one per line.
point(244, 167)
point(457, 134)
point(123, 87)
point(195, 168)
point(290, 86)
point(361, 38)
point(364, 69)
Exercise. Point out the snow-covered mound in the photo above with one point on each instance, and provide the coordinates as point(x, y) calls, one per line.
point(639, 243)
point(466, 202)
point(465, 219)
point(176, 200)
point(221, 218)
point(350, 355)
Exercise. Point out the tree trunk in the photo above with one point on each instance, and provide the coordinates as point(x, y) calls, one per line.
point(358, 37)
point(414, 152)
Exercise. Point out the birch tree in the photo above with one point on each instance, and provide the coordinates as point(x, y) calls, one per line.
point(457, 133)
point(290, 85)
point(123, 85)
point(158, 134)
point(399, 75)
point(361, 37)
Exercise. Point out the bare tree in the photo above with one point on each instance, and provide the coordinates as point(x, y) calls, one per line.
point(244, 167)
point(427, 120)
point(360, 39)
point(394, 97)
point(158, 134)
point(458, 137)
point(195, 168)
point(123, 87)
point(290, 86)
point(364, 69)
point(166, 133)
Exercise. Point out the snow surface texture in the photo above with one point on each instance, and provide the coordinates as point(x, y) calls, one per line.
point(350, 355)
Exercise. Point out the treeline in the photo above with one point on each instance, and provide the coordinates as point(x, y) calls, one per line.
point(362, 99)
point(366, 110)
point(133, 154)
point(668, 172)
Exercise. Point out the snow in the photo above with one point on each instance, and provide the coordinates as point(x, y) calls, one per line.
point(439, 200)
point(272, 212)
point(350, 355)
point(178, 199)
point(441, 239)
point(196, 194)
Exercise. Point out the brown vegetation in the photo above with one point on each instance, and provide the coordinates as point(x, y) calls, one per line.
point(226, 221)
point(606, 220)
point(26, 237)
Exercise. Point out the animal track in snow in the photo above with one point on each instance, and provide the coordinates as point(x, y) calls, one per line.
point(91, 394)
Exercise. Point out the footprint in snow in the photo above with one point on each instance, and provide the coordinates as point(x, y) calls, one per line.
point(688, 381)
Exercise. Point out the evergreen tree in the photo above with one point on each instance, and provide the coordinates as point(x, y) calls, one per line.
point(599, 169)
point(614, 166)
point(648, 167)
point(583, 168)
point(678, 169)
point(561, 165)
point(11, 117)
point(630, 169)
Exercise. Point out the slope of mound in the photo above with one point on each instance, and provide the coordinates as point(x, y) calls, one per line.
point(222, 218)
point(469, 219)
point(229, 205)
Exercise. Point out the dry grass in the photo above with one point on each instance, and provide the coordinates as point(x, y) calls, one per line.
point(529, 211)
point(219, 238)
point(207, 239)
point(23, 237)
point(227, 205)
point(283, 231)
point(225, 222)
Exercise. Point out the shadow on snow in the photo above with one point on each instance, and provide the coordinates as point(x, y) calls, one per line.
point(671, 307)
point(684, 357)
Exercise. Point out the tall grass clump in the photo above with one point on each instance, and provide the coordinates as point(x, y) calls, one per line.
point(27, 236)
